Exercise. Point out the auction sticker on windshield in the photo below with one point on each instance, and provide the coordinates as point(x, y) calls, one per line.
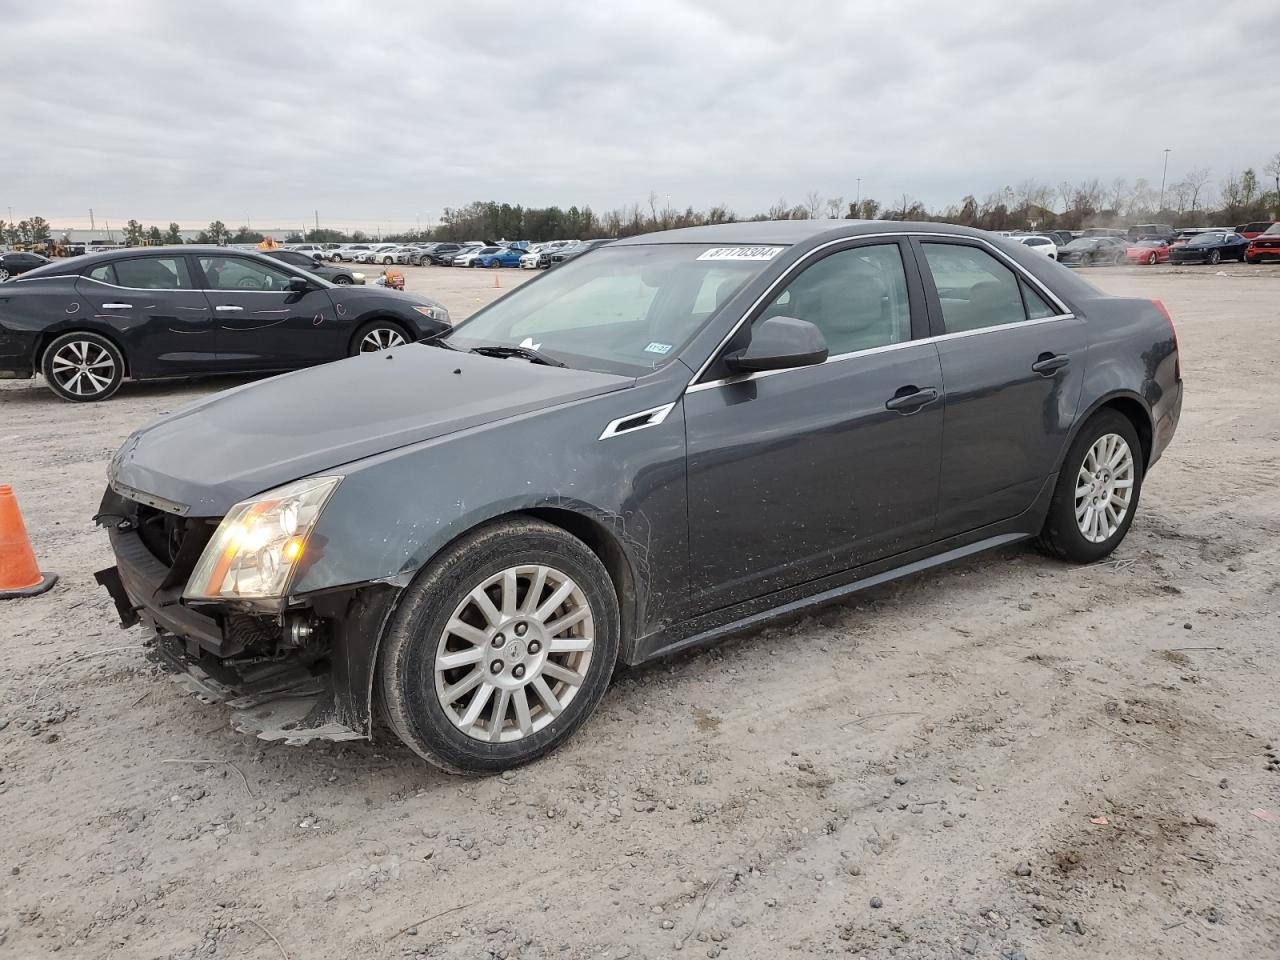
point(740, 253)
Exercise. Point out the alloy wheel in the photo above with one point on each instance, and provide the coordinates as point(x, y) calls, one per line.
point(1104, 488)
point(381, 338)
point(83, 368)
point(4, 274)
point(514, 654)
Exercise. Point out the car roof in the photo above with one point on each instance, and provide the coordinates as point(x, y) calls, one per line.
point(759, 232)
point(72, 265)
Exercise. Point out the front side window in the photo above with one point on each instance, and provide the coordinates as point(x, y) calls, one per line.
point(976, 290)
point(235, 273)
point(856, 297)
point(152, 273)
point(625, 309)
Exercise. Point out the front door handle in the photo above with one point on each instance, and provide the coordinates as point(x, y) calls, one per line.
point(1047, 363)
point(223, 308)
point(117, 306)
point(908, 399)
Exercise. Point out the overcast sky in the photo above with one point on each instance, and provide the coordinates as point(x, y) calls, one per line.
point(381, 114)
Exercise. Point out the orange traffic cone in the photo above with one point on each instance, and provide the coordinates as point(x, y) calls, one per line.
point(495, 281)
point(19, 575)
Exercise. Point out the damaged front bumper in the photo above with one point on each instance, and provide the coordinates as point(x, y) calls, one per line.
point(304, 673)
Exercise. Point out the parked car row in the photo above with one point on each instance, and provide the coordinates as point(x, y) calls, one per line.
point(446, 253)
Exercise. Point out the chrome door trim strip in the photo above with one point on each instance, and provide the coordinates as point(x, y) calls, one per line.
point(782, 278)
point(707, 385)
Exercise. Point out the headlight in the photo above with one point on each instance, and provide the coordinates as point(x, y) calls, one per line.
point(435, 313)
point(255, 548)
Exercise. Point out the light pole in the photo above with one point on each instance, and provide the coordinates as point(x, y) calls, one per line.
point(1164, 176)
point(857, 204)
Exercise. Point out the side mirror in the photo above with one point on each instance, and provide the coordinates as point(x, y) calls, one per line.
point(778, 343)
point(298, 285)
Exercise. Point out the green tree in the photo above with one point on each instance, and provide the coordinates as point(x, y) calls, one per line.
point(216, 232)
point(39, 228)
point(155, 236)
point(173, 234)
point(133, 234)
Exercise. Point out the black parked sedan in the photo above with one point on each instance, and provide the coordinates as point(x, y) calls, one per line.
point(149, 313)
point(1212, 247)
point(16, 264)
point(1092, 251)
point(651, 447)
point(334, 274)
point(571, 253)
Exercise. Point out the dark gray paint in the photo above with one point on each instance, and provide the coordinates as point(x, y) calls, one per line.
point(758, 495)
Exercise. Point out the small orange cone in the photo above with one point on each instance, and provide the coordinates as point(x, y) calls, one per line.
point(495, 281)
point(19, 575)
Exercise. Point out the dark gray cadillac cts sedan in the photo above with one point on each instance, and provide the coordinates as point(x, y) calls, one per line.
point(672, 438)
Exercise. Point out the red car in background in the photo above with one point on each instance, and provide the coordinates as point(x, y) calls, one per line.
point(1148, 251)
point(1251, 230)
point(1264, 246)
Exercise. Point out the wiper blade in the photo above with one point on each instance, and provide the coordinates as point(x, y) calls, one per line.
point(524, 353)
point(438, 341)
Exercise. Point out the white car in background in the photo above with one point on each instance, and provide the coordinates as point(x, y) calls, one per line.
point(1039, 244)
point(382, 253)
point(467, 259)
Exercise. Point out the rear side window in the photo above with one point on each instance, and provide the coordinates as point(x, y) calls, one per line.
point(153, 273)
point(977, 291)
point(856, 297)
point(106, 273)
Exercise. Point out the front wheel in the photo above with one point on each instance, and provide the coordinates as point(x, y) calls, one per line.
point(1215, 258)
point(1097, 491)
point(377, 335)
point(342, 279)
point(500, 649)
point(83, 367)
point(4, 274)
point(1151, 259)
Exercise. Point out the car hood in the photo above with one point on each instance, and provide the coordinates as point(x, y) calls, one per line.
point(235, 444)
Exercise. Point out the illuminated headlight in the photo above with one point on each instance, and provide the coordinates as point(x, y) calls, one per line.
point(255, 549)
point(435, 313)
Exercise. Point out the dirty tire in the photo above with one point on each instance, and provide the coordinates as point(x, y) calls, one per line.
point(406, 670)
point(1061, 536)
point(101, 357)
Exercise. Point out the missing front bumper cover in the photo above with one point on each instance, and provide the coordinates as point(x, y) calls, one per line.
point(274, 701)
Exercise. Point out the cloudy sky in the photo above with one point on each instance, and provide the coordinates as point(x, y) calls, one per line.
point(383, 114)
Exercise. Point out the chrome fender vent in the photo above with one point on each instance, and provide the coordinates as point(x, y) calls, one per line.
point(637, 421)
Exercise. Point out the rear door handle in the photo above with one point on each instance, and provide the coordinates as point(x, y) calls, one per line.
point(911, 398)
point(117, 306)
point(223, 308)
point(1049, 362)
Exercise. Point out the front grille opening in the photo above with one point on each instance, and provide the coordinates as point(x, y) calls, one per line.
point(176, 542)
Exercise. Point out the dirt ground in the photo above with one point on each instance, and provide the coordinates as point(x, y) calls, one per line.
point(1008, 758)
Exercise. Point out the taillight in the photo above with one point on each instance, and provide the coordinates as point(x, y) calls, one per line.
point(1164, 312)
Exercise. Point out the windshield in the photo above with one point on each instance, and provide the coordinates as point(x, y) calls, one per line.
point(1274, 228)
point(1208, 238)
point(1150, 243)
point(620, 309)
point(1081, 245)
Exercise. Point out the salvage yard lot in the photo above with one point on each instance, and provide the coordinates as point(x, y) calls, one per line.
point(1012, 756)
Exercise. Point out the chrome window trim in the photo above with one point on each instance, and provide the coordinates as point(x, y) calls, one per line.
point(786, 275)
point(708, 384)
point(656, 416)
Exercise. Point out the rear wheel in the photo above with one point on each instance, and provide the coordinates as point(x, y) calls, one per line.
point(4, 274)
point(83, 367)
point(378, 335)
point(1215, 257)
point(500, 649)
point(1097, 491)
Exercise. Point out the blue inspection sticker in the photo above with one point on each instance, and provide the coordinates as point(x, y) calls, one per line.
point(658, 348)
